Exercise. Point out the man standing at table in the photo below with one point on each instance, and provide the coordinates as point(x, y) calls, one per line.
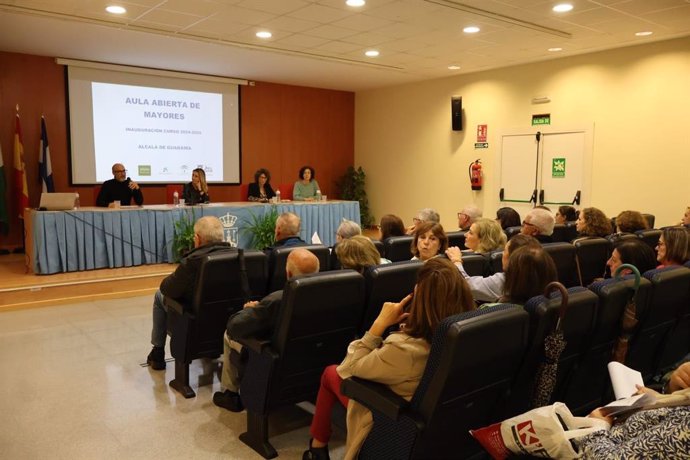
point(121, 188)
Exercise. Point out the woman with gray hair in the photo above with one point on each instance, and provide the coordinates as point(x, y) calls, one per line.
point(423, 215)
point(347, 229)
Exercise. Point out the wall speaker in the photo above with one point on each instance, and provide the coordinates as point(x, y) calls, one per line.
point(456, 113)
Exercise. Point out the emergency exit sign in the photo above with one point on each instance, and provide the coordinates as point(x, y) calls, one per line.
point(541, 119)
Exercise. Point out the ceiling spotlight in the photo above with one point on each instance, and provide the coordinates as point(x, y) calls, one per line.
point(114, 9)
point(555, 49)
point(453, 67)
point(372, 53)
point(264, 34)
point(562, 7)
point(471, 30)
point(355, 3)
point(644, 34)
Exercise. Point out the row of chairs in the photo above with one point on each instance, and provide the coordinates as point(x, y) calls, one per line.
point(486, 375)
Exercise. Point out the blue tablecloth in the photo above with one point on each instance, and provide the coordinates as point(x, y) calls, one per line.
point(89, 238)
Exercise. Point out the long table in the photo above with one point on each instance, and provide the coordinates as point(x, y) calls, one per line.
point(90, 238)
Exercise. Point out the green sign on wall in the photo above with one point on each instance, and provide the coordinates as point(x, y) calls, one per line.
point(144, 170)
point(558, 167)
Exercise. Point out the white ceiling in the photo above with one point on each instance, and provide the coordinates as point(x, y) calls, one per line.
point(321, 43)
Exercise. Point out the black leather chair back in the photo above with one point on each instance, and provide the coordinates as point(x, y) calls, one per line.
point(651, 236)
point(571, 230)
point(256, 263)
point(278, 259)
point(379, 247)
point(563, 255)
point(563, 234)
point(496, 261)
point(650, 219)
point(476, 264)
point(387, 283)
point(592, 254)
point(512, 231)
point(664, 331)
point(464, 386)
point(457, 239)
point(397, 248)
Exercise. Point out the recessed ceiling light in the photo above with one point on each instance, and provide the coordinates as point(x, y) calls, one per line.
point(355, 3)
point(562, 7)
point(372, 53)
point(453, 67)
point(556, 49)
point(643, 34)
point(471, 30)
point(114, 9)
point(264, 34)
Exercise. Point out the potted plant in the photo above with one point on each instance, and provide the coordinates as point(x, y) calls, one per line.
point(262, 228)
point(351, 187)
point(183, 239)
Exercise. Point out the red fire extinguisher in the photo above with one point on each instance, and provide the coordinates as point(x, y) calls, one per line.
point(475, 172)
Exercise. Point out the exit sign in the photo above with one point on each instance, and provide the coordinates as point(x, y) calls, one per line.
point(542, 119)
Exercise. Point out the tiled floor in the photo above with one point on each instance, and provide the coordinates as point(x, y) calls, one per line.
point(72, 387)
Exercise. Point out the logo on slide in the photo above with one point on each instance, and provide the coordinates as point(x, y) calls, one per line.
point(229, 230)
point(144, 170)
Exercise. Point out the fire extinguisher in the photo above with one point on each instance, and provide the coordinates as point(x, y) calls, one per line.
point(475, 172)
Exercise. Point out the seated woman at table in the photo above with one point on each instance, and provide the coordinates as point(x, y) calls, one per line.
point(196, 191)
point(673, 247)
point(261, 189)
point(430, 240)
point(485, 235)
point(305, 188)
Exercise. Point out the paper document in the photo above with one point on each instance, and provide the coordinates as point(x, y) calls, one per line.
point(624, 380)
point(315, 238)
point(632, 403)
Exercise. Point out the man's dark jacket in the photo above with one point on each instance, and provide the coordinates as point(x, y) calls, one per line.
point(256, 322)
point(114, 190)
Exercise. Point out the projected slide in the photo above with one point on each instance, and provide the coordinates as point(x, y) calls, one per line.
point(159, 134)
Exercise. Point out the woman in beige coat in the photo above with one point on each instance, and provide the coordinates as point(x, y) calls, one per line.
point(398, 361)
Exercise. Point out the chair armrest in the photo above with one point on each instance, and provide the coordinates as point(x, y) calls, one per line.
point(256, 345)
point(374, 396)
point(173, 305)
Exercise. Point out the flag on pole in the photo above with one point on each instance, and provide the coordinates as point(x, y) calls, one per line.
point(45, 170)
point(21, 190)
point(4, 215)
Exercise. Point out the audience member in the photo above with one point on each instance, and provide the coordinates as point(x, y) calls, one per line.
point(179, 285)
point(429, 241)
point(673, 247)
point(632, 252)
point(305, 188)
point(424, 215)
point(256, 320)
point(539, 223)
point(686, 218)
point(196, 191)
point(391, 225)
point(565, 214)
point(485, 235)
point(120, 188)
point(357, 253)
point(630, 222)
point(287, 231)
point(398, 361)
point(508, 217)
point(261, 189)
point(592, 222)
point(528, 273)
point(468, 216)
point(490, 288)
point(347, 229)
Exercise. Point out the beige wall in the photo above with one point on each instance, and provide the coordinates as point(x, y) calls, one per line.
point(637, 99)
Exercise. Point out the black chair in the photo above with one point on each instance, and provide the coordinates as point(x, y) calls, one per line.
point(658, 343)
point(464, 386)
point(496, 261)
point(592, 254)
point(650, 219)
point(278, 258)
point(387, 283)
point(476, 264)
point(651, 236)
point(379, 247)
point(197, 330)
point(318, 318)
point(563, 255)
point(457, 239)
point(562, 234)
point(256, 263)
point(571, 230)
point(398, 248)
point(512, 231)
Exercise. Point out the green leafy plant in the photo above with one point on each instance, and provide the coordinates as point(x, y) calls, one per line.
point(262, 228)
point(183, 239)
point(351, 187)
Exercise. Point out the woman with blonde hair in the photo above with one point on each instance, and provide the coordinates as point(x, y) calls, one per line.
point(196, 191)
point(485, 235)
point(398, 361)
point(357, 253)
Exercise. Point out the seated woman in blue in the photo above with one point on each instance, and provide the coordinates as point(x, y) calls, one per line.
point(261, 189)
point(196, 191)
point(305, 188)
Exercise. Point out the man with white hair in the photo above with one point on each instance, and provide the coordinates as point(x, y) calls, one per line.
point(468, 216)
point(424, 215)
point(539, 223)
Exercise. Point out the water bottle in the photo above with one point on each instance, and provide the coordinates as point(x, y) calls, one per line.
point(77, 204)
point(278, 196)
point(318, 195)
point(176, 198)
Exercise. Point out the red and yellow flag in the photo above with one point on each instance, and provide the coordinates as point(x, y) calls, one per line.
point(21, 190)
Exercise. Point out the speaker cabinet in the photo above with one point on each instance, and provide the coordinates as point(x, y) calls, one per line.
point(456, 113)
